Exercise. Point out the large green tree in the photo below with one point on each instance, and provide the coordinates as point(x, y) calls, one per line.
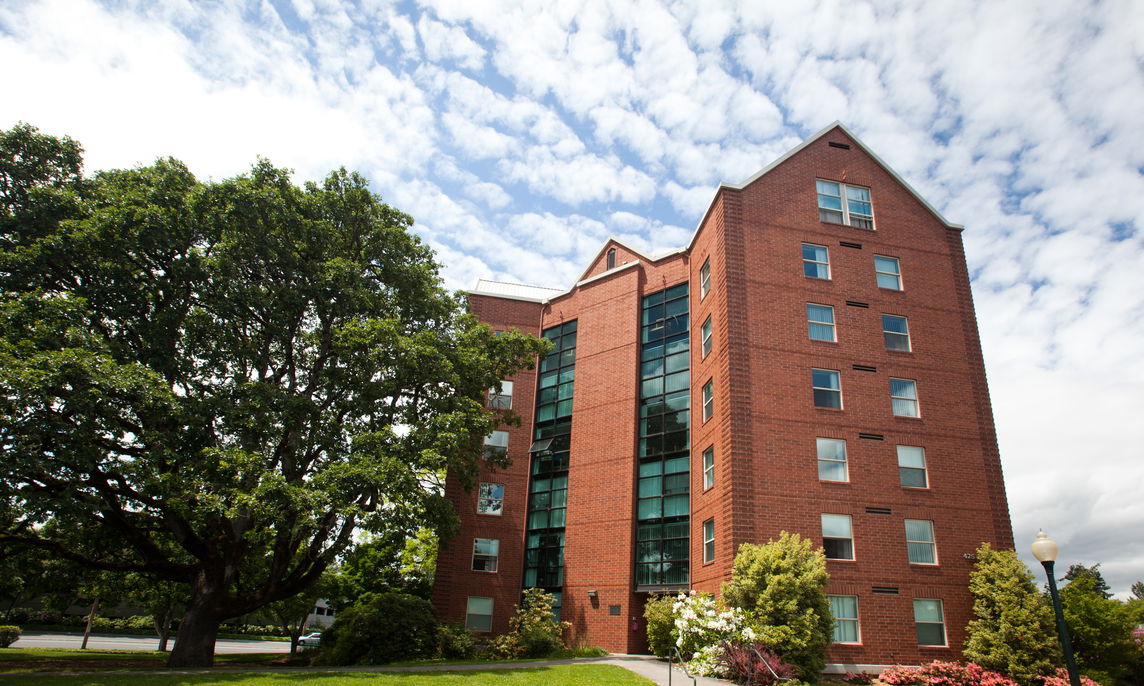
point(224, 380)
point(1101, 630)
point(1013, 631)
point(782, 587)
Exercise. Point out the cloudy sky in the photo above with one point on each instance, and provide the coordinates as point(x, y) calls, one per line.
point(521, 138)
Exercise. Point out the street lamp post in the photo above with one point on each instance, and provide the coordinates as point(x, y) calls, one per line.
point(1045, 550)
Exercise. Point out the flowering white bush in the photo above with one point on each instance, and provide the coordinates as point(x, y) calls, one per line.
point(702, 628)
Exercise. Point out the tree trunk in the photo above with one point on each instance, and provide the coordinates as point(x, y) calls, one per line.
point(162, 622)
point(87, 627)
point(195, 642)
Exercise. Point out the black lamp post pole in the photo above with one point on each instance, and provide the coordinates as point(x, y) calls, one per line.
point(1062, 629)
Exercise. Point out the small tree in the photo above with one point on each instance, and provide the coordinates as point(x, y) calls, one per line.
point(1101, 630)
point(1138, 590)
point(1014, 632)
point(1079, 571)
point(782, 588)
point(535, 631)
point(661, 632)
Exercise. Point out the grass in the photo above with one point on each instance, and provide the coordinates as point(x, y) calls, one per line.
point(565, 675)
point(42, 659)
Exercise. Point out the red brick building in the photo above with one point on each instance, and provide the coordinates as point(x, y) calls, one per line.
point(810, 362)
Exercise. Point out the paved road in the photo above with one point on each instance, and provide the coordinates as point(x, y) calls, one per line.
point(32, 639)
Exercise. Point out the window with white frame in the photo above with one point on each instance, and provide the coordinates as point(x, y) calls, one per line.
point(929, 622)
point(832, 459)
point(820, 321)
point(904, 397)
point(709, 540)
point(709, 467)
point(815, 261)
point(705, 278)
point(837, 537)
point(845, 204)
point(705, 335)
point(490, 499)
point(888, 272)
point(920, 545)
point(708, 399)
point(845, 611)
point(496, 444)
point(912, 466)
point(479, 614)
point(501, 399)
point(827, 387)
point(485, 551)
point(896, 332)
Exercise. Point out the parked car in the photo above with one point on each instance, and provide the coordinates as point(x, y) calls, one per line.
point(310, 640)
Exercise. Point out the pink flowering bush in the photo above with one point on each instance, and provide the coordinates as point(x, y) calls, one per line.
point(859, 678)
point(1061, 678)
point(944, 674)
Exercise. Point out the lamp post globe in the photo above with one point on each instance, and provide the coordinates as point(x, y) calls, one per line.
point(1045, 550)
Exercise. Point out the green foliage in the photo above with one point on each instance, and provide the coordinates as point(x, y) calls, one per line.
point(1101, 630)
point(379, 629)
point(217, 383)
point(1138, 590)
point(1014, 631)
point(1079, 571)
point(394, 560)
point(535, 631)
point(661, 633)
point(456, 642)
point(8, 635)
point(782, 588)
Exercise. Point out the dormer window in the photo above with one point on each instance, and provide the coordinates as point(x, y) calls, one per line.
point(843, 204)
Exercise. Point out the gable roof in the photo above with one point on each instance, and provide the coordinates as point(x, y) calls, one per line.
point(542, 294)
point(798, 148)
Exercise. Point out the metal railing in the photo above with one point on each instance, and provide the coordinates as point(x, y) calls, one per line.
point(682, 664)
point(768, 666)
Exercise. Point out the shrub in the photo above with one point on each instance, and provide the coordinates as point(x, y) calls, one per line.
point(859, 678)
point(661, 633)
point(381, 628)
point(745, 667)
point(944, 674)
point(1014, 632)
point(535, 631)
point(455, 642)
point(8, 635)
point(781, 587)
point(702, 629)
point(1061, 678)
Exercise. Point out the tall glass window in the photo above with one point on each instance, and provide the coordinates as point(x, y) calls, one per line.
point(548, 487)
point(662, 508)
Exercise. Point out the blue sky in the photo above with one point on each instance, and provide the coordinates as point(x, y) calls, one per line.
point(520, 138)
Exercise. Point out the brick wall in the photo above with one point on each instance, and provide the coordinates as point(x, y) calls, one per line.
point(765, 424)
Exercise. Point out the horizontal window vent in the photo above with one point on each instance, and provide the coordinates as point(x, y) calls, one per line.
point(884, 590)
point(844, 146)
point(864, 368)
point(872, 437)
point(856, 303)
point(848, 244)
point(879, 510)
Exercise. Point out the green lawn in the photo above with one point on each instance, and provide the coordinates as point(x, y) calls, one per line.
point(60, 659)
point(564, 675)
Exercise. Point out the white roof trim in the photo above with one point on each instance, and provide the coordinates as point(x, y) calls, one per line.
point(790, 153)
